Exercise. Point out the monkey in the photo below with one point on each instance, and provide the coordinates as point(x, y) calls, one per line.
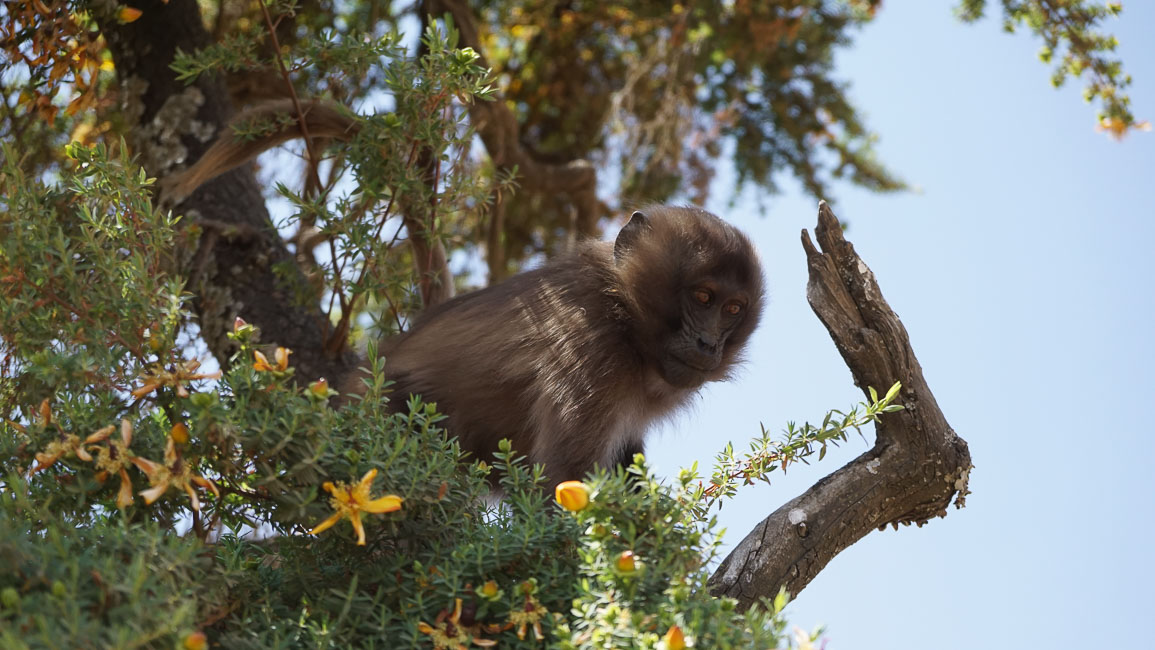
point(572, 361)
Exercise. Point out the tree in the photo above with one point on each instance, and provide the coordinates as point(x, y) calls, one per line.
point(114, 438)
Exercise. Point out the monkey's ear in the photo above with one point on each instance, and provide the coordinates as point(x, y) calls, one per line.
point(630, 235)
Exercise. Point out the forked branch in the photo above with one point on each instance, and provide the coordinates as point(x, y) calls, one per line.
point(917, 467)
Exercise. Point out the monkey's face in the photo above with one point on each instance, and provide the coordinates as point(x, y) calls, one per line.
point(700, 346)
point(693, 287)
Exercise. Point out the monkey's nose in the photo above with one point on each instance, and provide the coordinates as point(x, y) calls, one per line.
point(707, 345)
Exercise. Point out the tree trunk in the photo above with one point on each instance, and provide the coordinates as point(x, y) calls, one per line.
point(237, 265)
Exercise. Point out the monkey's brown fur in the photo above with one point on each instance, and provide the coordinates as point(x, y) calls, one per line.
point(573, 361)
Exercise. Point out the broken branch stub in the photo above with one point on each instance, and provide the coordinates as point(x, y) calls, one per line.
point(917, 467)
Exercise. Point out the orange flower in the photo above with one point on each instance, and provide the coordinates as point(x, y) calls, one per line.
point(320, 391)
point(175, 472)
point(262, 362)
point(45, 412)
point(320, 388)
point(114, 458)
point(67, 445)
point(572, 495)
point(42, 417)
point(351, 500)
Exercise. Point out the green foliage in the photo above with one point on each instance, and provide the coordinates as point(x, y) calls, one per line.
point(663, 93)
point(84, 297)
point(108, 584)
point(390, 162)
point(644, 554)
point(144, 505)
point(145, 501)
point(659, 93)
point(1073, 40)
point(798, 444)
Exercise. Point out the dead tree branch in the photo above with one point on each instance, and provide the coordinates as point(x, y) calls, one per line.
point(917, 467)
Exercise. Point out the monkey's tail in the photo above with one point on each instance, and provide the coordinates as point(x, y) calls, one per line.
point(322, 119)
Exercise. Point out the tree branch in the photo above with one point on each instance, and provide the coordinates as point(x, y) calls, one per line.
point(917, 466)
point(497, 126)
point(254, 277)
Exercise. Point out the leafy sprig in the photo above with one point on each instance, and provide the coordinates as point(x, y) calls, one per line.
point(797, 444)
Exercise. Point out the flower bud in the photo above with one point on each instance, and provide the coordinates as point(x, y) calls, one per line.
point(196, 641)
point(282, 357)
point(626, 562)
point(489, 590)
point(179, 432)
point(572, 495)
point(674, 639)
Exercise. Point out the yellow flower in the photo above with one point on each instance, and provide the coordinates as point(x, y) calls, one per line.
point(262, 362)
point(174, 472)
point(803, 640)
point(1118, 128)
point(572, 495)
point(320, 391)
point(68, 444)
point(351, 500)
point(183, 372)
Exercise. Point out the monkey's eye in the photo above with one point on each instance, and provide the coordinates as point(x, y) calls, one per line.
point(703, 296)
point(734, 308)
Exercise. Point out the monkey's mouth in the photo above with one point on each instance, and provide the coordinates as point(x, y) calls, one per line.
point(700, 365)
point(695, 360)
point(685, 373)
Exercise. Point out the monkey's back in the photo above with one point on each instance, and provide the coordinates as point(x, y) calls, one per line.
point(546, 354)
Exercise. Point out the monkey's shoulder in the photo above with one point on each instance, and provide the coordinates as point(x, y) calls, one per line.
point(581, 280)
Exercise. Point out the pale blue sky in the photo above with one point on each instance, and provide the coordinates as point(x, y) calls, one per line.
point(1023, 272)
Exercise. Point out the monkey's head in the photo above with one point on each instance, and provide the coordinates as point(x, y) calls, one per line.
point(692, 286)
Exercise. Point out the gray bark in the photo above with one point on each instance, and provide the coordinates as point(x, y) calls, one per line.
point(238, 265)
point(917, 467)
